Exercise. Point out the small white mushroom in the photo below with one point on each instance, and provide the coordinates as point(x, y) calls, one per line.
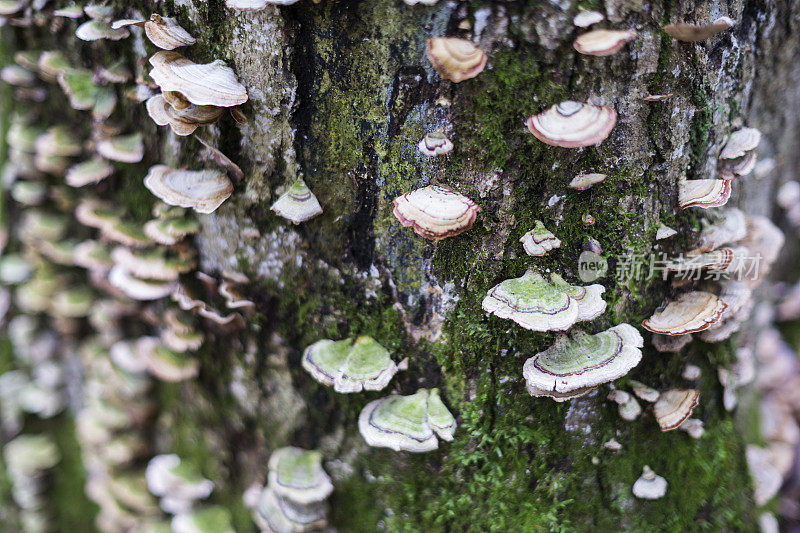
point(694, 427)
point(585, 18)
point(692, 373)
point(539, 240)
point(583, 182)
point(435, 143)
point(649, 486)
point(664, 232)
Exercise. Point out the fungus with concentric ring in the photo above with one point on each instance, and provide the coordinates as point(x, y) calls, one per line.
point(540, 305)
point(455, 59)
point(573, 124)
point(411, 423)
point(573, 366)
point(435, 212)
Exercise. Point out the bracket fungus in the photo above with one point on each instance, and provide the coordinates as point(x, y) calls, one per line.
point(170, 476)
point(125, 148)
point(350, 366)
point(691, 312)
point(536, 304)
point(585, 18)
point(629, 409)
point(738, 157)
point(435, 212)
point(698, 32)
point(184, 121)
point(664, 232)
point(603, 42)
point(643, 392)
point(96, 30)
point(409, 423)
point(435, 143)
point(674, 407)
point(573, 366)
point(454, 58)
point(297, 475)
point(298, 204)
point(274, 513)
point(94, 170)
point(164, 32)
point(138, 288)
point(582, 182)
point(212, 84)
point(202, 190)
point(573, 124)
point(649, 486)
point(703, 193)
point(539, 240)
point(214, 519)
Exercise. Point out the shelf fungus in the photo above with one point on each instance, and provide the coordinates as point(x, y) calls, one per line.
point(156, 263)
point(124, 148)
point(536, 304)
point(409, 423)
point(603, 42)
point(213, 519)
point(169, 476)
point(139, 289)
point(629, 409)
point(455, 59)
point(184, 121)
point(298, 204)
point(202, 190)
point(170, 365)
point(297, 475)
point(539, 240)
point(664, 232)
point(703, 193)
point(171, 229)
point(575, 365)
point(213, 84)
point(96, 30)
point(164, 32)
point(674, 407)
point(730, 225)
point(573, 124)
point(585, 18)
point(84, 94)
point(350, 366)
point(274, 513)
point(698, 32)
point(738, 157)
point(435, 212)
point(94, 170)
point(643, 392)
point(649, 486)
point(691, 312)
point(435, 143)
point(582, 182)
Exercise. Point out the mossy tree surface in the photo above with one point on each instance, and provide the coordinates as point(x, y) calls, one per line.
point(340, 95)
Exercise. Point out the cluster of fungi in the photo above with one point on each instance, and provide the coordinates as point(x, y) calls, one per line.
point(138, 278)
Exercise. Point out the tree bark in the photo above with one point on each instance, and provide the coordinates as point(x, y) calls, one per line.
point(340, 95)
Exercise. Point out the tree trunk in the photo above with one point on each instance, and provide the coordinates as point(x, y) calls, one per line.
point(340, 93)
